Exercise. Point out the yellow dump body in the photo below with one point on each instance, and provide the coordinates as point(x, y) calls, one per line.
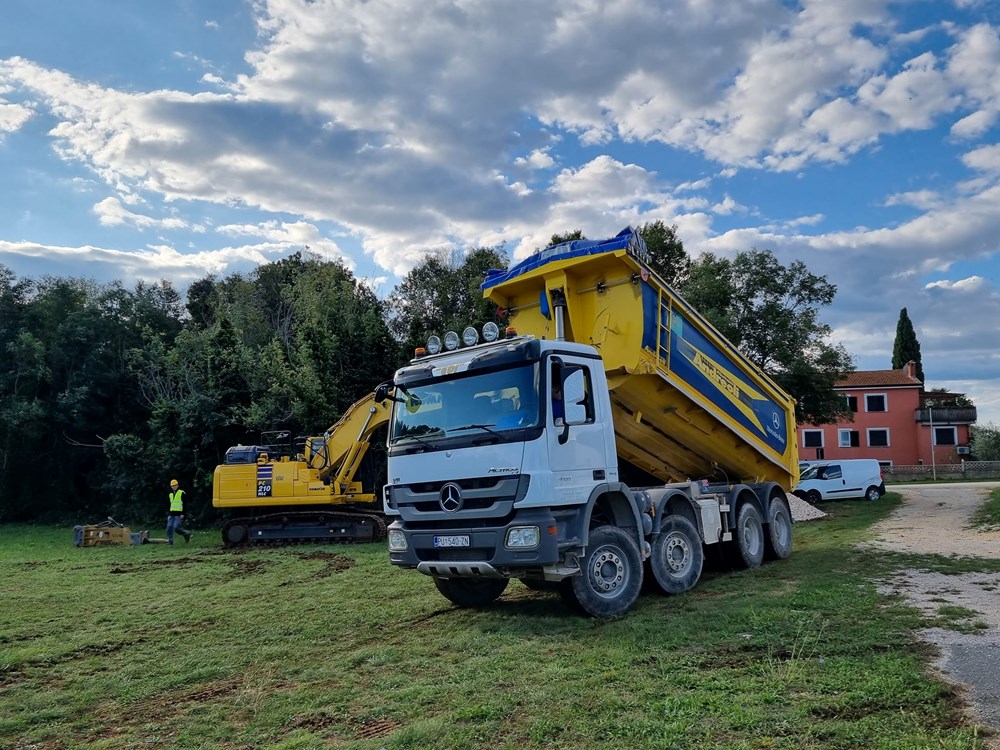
point(686, 404)
point(324, 476)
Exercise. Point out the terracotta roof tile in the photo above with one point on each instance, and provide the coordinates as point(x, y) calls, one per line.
point(874, 378)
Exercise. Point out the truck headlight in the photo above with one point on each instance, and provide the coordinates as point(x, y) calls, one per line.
point(522, 537)
point(397, 541)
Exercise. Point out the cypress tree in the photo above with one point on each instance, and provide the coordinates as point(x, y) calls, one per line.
point(906, 347)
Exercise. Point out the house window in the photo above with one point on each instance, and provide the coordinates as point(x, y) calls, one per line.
point(878, 438)
point(848, 439)
point(945, 436)
point(812, 438)
point(851, 402)
point(875, 402)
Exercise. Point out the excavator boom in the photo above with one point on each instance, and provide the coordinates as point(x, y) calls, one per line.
point(338, 453)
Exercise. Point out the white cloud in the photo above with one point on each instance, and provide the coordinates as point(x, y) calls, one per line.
point(922, 199)
point(986, 158)
point(970, 285)
point(150, 264)
point(537, 159)
point(911, 99)
point(293, 236)
point(974, 61)
point(12, 116)
point(110, 212)
point(728, 206)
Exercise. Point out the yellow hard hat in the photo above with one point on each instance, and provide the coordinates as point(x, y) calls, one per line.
point(174, 483)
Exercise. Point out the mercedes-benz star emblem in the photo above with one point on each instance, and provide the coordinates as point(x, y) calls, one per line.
point(451, 498)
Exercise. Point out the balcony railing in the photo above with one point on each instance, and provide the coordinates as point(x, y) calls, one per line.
point(946, 415)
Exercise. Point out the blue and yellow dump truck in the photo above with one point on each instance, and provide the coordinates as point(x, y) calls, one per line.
point(609, 430)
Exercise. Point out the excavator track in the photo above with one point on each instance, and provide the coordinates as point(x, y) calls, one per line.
point(304, 527)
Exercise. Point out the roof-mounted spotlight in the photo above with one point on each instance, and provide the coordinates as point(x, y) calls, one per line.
point(491, 331)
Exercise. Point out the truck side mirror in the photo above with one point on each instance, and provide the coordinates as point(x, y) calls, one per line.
point(575, 396)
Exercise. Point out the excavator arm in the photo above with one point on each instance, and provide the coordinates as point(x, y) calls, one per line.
point(337, 454)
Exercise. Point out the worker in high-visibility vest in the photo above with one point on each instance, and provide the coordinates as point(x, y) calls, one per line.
point(175, 517)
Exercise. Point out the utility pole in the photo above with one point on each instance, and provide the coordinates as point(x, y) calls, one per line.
point(930, 412)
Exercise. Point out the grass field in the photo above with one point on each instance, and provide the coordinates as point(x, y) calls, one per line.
point(192, 646)
point(987, 517)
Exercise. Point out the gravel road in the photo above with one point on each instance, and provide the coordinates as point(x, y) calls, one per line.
point(935, 519)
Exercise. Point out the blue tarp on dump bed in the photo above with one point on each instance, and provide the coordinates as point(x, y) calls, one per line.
point(627, 238)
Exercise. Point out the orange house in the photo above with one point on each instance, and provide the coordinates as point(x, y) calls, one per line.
point(895, 421)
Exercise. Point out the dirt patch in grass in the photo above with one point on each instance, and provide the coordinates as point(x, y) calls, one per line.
point(142, 567)
point(10, 677)
point(359, 729)
point(249, 567)
point(373, 728)
point(335, 563)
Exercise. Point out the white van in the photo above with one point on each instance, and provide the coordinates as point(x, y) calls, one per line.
point(850, 478)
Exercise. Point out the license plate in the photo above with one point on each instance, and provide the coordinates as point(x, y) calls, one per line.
point(456, 540)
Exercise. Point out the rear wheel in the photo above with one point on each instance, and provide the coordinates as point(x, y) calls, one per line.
point(872, 493)
point(471, 592)
point(779, 530)
point(677, 557)
point(749, 536)
point(611, 576)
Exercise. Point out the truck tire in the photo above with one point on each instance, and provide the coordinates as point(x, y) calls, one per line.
point(872, 493)
point(778, 544)
point(471, 592)
point(611, 576)
point(749, 536)
point(677, 556)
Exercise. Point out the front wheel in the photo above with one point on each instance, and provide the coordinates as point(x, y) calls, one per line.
point(471, 592)
point(749, 536)
point(813, 497)
point(779, 530)
point(677, 557)
point(611, 575)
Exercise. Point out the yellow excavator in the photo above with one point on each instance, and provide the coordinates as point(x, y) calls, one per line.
point(304, 492)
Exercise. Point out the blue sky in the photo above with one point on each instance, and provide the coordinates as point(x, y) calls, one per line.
point(176, 140)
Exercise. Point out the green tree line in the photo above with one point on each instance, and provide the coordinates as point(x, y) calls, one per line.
point(106, 392)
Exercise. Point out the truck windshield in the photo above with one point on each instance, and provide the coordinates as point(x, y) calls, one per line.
point(485, 403)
